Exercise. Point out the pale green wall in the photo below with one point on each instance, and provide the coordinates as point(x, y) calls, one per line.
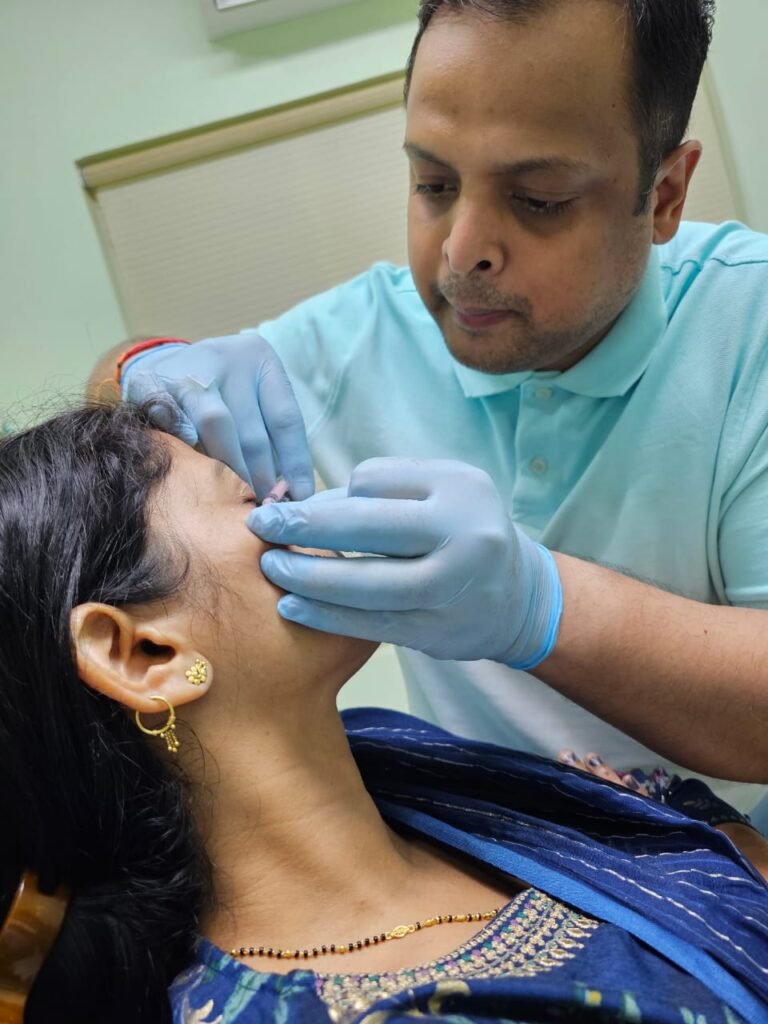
point(82, 76)
point(740, 70)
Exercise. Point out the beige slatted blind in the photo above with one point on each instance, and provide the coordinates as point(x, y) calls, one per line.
point(714, 195)
point(209, 247)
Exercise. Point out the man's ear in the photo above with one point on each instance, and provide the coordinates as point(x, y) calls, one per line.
point(130, 659)
point(671, 189)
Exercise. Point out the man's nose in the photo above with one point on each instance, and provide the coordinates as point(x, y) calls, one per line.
point(474, 242)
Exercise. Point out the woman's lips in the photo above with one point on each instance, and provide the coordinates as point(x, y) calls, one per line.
point(477, 319)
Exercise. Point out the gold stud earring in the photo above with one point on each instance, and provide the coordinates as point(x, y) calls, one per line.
point(198, 673)
point(167, 731)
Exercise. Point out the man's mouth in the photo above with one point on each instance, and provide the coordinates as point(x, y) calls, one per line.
point(474, 319)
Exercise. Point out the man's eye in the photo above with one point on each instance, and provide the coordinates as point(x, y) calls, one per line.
point(436, 191)
point(543, 207)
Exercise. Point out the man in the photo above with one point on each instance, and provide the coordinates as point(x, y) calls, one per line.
point(608, 373)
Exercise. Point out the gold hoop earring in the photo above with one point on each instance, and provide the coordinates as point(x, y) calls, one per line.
point(198, 673)
point(168, 731)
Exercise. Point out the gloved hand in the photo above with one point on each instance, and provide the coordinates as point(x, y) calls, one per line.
point(232, 396)
point(460, 580)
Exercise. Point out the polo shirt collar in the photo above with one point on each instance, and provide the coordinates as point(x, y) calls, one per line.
point(612, 367)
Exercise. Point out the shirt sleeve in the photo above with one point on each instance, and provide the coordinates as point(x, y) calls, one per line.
point(743, 524)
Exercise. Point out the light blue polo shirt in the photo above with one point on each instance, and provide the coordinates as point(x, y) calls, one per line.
point(649, 456)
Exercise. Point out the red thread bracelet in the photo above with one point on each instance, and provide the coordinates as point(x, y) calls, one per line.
point(144, 346)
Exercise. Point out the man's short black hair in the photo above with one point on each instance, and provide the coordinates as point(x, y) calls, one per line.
point(671, 41)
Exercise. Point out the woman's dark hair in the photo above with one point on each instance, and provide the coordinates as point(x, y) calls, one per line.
point(671, 41)
point(85, 800)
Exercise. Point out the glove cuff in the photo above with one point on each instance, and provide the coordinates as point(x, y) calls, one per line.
point(542, 623)
point(139, 351)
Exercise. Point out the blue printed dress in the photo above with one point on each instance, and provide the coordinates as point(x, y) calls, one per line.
point(634, 912)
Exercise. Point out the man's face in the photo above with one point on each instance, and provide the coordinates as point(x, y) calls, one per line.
point(523, 236)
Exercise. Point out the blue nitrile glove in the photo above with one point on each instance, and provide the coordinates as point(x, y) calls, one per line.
point(460, 580)
point(232, 396)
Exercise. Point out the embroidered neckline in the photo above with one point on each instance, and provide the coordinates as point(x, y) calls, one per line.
point(533, 934)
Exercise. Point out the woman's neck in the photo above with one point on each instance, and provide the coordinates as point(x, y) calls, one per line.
point(302, 857)
point(300, 851)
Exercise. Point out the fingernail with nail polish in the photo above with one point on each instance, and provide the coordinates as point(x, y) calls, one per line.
point(595, 762)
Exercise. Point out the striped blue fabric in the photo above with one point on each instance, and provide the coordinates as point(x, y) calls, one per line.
point(676, 884)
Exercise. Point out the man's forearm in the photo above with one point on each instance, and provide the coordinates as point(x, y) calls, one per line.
point(101, 385)
point(688, 680)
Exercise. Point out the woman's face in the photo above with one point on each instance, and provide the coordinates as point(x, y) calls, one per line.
point(203, 506)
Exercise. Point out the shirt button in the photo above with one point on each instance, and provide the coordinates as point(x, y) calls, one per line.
point(539, 466)
point(544, 394)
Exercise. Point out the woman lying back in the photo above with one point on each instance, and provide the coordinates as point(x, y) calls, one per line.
point(250, 861)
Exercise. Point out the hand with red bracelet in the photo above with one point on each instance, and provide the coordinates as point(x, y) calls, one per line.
point(230, 395)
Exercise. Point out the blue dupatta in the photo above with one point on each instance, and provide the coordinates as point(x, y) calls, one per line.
point(676, 884)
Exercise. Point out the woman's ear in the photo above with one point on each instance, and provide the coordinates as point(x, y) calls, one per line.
point(131, 659)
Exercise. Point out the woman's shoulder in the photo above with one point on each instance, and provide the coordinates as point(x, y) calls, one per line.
point(218, 989)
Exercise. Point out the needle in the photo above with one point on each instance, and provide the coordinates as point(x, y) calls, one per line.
point(278, 493)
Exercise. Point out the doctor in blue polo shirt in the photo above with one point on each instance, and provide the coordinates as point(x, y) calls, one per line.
point(554, 425)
